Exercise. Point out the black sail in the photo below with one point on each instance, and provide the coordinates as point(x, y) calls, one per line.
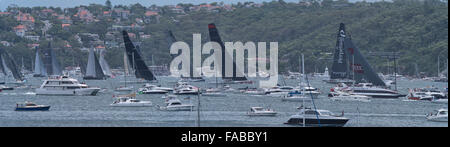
point(50, 62)
point(215, 37)
point(339, 69)
point(11, 65)
point(171, 39)
point(361, 69)
point(94, 70)
point(134, 57)
point(2, 68)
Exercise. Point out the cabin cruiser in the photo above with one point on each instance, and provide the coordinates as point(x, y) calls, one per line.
point(308, 90)
point(276, 92)
point(341, 96)
point(260, 111)
point(130, 101)
point(157, 87)
point(431, 91)
point(321, 118)
point(3, 87)
point(279, 91)
point(191, 90)
point(153, 89)
point(63, 85)
point(174, 104)
point(296, 97)
point(367, 89)
point(440, 115)
point(418, 95)
point(30, 106)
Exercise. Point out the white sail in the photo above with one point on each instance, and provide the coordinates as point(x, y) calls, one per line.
point(39, 68)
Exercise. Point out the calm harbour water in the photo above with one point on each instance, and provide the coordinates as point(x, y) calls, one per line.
point(94, 111)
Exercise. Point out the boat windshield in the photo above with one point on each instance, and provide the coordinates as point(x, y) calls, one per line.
point(30, 104)
point(326, 113)
point(135, 101)
point(175, 103)
point(258, 109)
point(443, 113)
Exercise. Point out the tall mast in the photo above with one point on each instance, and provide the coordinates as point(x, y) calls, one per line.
point(198, 107)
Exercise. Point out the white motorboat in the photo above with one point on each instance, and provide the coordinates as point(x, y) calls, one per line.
point(440, 115)
point(276, 92)
point(341, 96)
point(431, 91)
point(64, 85)
point(151, 90)
point(368, 90)
point(214, 92)
point(191, 90)
point(260, 111)
point(322, 118)
point(175, 104)
point(158, 87)
point(308, 90)
point(296, 97)
point(130, 101)
point(418, 95)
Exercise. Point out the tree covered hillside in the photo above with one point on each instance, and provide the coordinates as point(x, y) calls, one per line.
point(418, 30)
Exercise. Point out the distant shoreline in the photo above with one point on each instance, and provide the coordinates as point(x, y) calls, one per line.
point(71, 3)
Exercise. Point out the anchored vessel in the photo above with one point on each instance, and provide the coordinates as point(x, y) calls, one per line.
point(30, 106)
point(260, 111)
point(64, 85)
point(323, 118)
point(130, 101)
point(440, 115)
point(174, 104)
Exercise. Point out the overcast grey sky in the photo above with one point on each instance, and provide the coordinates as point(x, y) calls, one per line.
point(71, 3)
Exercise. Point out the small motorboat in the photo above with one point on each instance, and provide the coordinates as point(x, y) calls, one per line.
point(190, 90)
point(440, 115)
point(317, 118)
point(419, 95)
point(3, 87)
point(30, 106)
point(158, 87)
point(308, 90)
point(296, 97)
point(151, 91)
point(130, 101)
point(260, 111)
point(175, 104)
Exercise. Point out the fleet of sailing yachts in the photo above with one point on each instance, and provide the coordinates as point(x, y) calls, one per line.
point(355, 79)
